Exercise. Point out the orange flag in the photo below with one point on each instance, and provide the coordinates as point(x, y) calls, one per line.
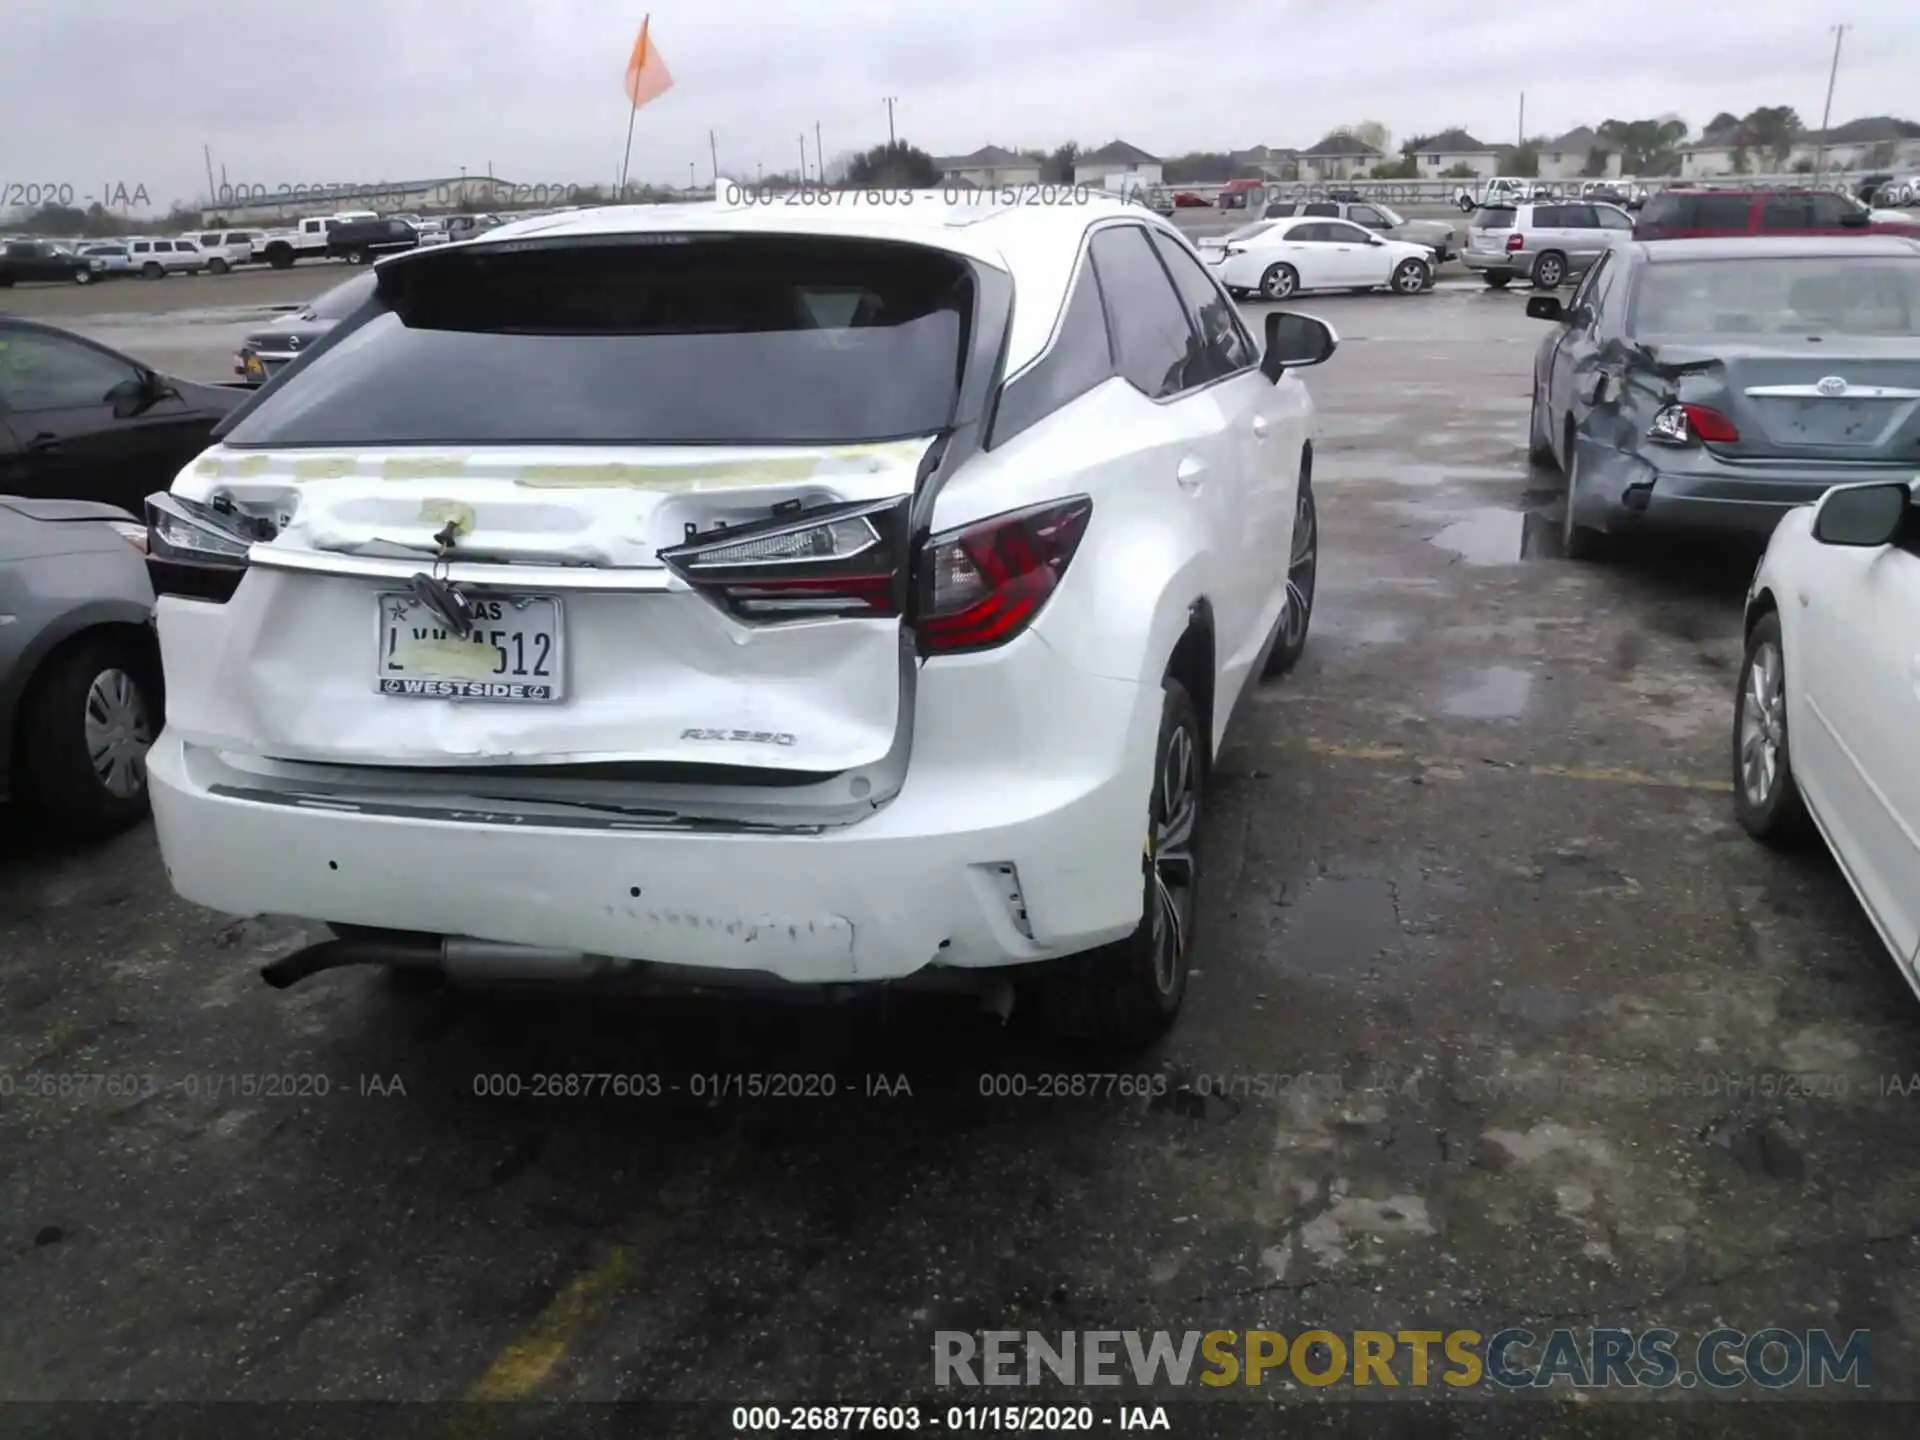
point(647, 77)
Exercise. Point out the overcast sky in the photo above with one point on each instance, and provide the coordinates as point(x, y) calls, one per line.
point(95, 93)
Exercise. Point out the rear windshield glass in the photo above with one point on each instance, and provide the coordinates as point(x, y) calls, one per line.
point(1247, 232)
point(1819, 295)
point(661, 339)
point(1714, 212)
point(1493, 217)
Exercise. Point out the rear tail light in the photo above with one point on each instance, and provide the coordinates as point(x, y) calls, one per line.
point(833, 560)
point(1683, 424)
point(1516, 241)
point(197, 550)
point(981, 585)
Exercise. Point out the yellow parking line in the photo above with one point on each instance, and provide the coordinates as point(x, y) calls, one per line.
point(524, 1364)
point(1396, 754)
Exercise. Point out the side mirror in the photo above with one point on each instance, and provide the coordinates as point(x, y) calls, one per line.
point(1375, 240)
point(130, 397)
point(1855, 220)
point(1295, 341)
point(1546, 307)
point(1861, 515)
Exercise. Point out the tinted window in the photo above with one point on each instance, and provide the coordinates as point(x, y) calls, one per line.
point(1612, 219)
point(19, 250)
point(51, 372)
point(1818, 295)
point(1714, 212)
point(1579, 217)
point(1280, 212)
point(1494, 217)
point(1548, 217)
point(209, 239)
point(1345, 234)
point(1316, 231)
point(239, 237)
point(1320, 207)
point(667, 340)
point(1080, 358)
point(1149, 323)
point(1365, 215)
point(1227, 347)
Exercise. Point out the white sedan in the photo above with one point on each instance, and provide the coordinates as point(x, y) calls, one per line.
point(1825, 719)
point(1277, 259)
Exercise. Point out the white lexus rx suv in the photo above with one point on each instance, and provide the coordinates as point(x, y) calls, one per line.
point(823, 595)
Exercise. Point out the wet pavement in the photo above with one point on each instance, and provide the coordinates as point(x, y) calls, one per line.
point(1498, 1019)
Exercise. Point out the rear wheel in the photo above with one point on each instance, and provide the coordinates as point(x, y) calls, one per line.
point(1549, 270)
point(1497, 279)
point(85, 728)
point(357, 256)
point(83, 277)
point(1765, 798)
point(1410, 277)
point(1279, 282)
point(218, 266)
point(280, 258)
point(1126, 994)
point(1539, 445)
point(152, 270)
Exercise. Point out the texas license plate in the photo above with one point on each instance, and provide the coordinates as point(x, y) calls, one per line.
point(513, 653)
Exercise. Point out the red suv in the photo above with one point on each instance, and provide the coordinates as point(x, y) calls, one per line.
point(1683, 214)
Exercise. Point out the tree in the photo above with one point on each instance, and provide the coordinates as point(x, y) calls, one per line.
point(1372, 132)
point(1724, 121)
point(1523, 160)
point(1200, 167)
point(1772, 130)
point(1596, 165)
point(1648, 147)
point(1407, 167)
point(1462, 171)
point(899, 166)
point(1058, 167)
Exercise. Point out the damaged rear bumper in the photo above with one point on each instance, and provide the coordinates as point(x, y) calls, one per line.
point(1621, 492)
point(995, 852)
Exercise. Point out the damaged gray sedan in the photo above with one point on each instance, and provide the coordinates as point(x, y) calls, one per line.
point(1715, 384)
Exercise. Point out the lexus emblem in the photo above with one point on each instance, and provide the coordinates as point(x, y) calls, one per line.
point(1832, 385)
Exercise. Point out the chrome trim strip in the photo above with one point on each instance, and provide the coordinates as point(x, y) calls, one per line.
point(1814, 392)
point(519, 578)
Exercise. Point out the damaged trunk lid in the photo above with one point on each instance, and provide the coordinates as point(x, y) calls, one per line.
point(570, 520)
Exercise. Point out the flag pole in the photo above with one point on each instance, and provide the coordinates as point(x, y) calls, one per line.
point(627, 154)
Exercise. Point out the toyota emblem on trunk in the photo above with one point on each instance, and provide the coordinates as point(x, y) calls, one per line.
point(1832, 385)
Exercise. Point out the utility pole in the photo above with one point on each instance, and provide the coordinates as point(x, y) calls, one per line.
point(713, 148)
point(819, 155)
point(1826, 113)
point(891, 100)
point(803, 157)
point(213, 195)
point(692, 181)
point(1521, 138)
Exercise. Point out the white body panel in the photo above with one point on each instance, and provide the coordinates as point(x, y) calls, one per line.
point(1850, 633)
point(1321, 265)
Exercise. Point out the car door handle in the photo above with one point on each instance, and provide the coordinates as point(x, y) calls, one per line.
point(43, 443)
point(1260, 427)
point(1192, 473)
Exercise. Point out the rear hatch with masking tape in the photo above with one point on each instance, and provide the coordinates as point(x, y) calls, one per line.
point(670, 477)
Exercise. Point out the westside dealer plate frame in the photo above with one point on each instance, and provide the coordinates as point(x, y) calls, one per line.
point(484, 689)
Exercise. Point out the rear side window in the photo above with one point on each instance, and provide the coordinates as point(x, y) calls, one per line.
point(1149, 323)
point(1226, 348)
point(1080, 358)
point(1715, 212)
point(209, 239)
point(1321, 207)
point(1548, 217)
point(1494, 217)
point(668, 339)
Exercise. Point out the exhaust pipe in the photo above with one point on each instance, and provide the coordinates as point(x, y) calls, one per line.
point(458, 958)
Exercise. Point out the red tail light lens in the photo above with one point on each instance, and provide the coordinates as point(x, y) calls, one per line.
point(834, 560)
point(981, 585)
point(1710, 425)
point(1516, 241)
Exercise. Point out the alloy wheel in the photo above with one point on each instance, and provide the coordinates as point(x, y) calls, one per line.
point(1763, 724)
point(1176, 806)
point(1411, 278)
point(1277, 283)
point(119, 733)
point(1548, 273)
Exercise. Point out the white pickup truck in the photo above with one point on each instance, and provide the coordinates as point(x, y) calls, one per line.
point(306, 240)
point(1500, 190)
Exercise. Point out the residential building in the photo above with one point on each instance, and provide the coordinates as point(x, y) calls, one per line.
point(988, 167)
point(1338, 157)
point(1435, 155)
point(1276, 162)
point(1878, 142)
point(1117, 166)
point(1580, 154)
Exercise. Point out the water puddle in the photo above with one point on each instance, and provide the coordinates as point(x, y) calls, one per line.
point(1345, 926)
point(1500, 693)
point(1362, 629)
point(1495, 536)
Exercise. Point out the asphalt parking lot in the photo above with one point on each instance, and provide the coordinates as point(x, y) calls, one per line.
point(1513, 1025)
